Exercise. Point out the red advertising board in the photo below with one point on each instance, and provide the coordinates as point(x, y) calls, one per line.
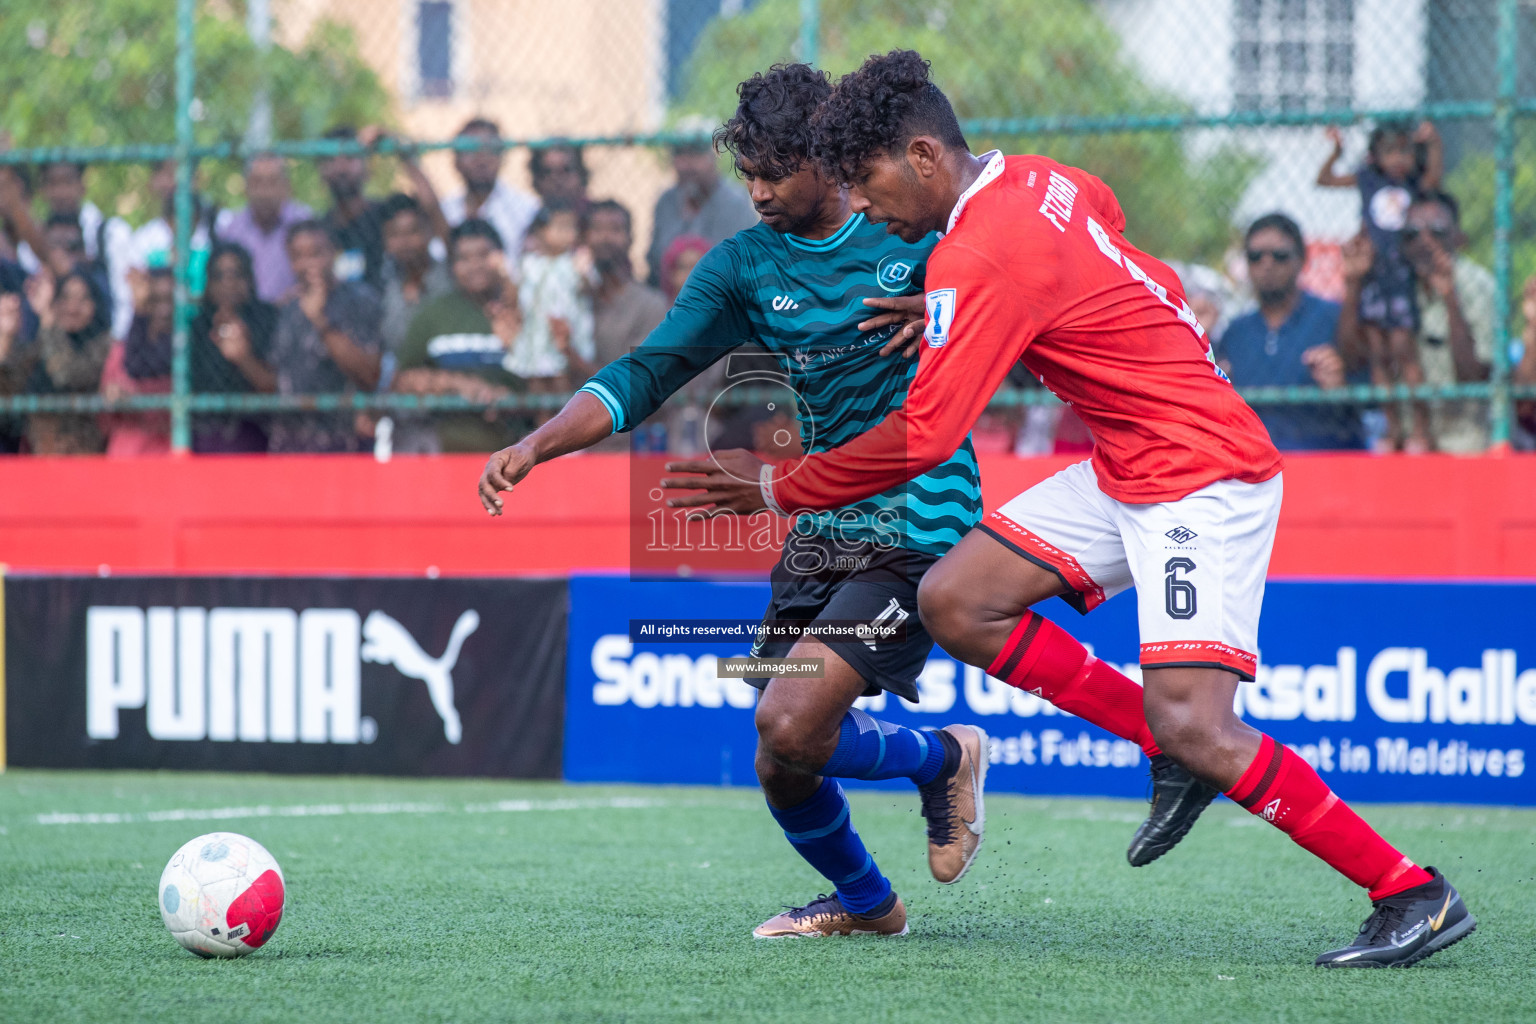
point(1344, 515)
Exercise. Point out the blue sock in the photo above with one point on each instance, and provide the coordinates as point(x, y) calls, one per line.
point(871, 749)
point(820, 831)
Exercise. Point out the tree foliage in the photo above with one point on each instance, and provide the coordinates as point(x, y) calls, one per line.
point(1472, 183)
point(1003, 59)
point(104, 73)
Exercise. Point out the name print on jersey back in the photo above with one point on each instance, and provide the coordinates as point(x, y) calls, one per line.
point(1060, 194)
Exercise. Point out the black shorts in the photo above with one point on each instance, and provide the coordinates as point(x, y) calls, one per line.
point(821, 580)
point(1388, 297)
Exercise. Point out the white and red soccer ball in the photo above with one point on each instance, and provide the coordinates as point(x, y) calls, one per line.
point(221, 895)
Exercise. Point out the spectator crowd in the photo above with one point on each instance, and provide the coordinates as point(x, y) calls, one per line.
point(480, 294)
point(491, 291)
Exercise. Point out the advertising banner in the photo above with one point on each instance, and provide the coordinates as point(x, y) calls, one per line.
point(1406, 692)
point(387, 676)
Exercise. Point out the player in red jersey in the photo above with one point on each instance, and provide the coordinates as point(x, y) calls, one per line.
point(1179, 500)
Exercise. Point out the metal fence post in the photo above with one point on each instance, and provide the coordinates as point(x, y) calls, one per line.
point(1501, 407)
point(258, 25)
point(810, 30)
point(181, 427)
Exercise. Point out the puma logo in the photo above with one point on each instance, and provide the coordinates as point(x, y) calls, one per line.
point(386, 642)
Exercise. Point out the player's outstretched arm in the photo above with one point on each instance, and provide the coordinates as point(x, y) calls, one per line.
point(970, 350)
point(583, 422)
point(703, 325)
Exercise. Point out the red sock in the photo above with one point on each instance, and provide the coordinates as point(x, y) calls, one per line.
point(1283, 789)
point(1045, 660)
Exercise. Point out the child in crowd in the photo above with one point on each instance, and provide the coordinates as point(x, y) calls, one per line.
point(555, 299)
point(1401, 161)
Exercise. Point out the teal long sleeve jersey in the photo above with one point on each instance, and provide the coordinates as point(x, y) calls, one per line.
point(802, 301)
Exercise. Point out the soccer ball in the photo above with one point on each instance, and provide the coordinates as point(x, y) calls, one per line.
point(221, 895)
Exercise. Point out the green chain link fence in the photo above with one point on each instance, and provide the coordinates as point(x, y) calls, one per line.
point(1202, 114)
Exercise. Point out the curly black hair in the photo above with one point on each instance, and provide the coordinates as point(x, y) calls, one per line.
point(772, 124)
point(878, 109)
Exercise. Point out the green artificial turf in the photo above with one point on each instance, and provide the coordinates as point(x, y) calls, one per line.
point(501, 901)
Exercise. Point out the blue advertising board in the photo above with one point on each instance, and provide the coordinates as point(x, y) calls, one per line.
point(1405, 692)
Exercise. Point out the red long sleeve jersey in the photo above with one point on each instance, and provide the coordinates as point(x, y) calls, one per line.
point(1034, 268)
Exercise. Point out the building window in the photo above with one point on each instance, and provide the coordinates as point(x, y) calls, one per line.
point(1293, 55)
point(434, 48)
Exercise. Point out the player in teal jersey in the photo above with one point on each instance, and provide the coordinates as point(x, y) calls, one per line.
point(797, 285)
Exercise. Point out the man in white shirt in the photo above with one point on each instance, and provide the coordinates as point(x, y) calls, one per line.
point(486, 196)
point(108, 241)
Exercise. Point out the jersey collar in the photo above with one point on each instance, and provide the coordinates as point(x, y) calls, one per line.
point(990, 173)
point(832, 241)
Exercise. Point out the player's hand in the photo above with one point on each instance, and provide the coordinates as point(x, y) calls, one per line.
point(910, 311)
point(503, 471)
point(726, 484)
point(1335, 136)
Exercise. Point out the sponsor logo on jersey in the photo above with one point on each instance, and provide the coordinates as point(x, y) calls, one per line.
point(894, 272)
point(782, 303)
point(941, 316)
point(1181, 535)
point(257, 675)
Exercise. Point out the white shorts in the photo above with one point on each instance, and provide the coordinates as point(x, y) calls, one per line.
point(1198, 564)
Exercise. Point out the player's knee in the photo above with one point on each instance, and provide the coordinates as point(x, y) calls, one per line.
point(786, 739)
point(1181, 731)
point(1203, 743)
point(943, 606)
